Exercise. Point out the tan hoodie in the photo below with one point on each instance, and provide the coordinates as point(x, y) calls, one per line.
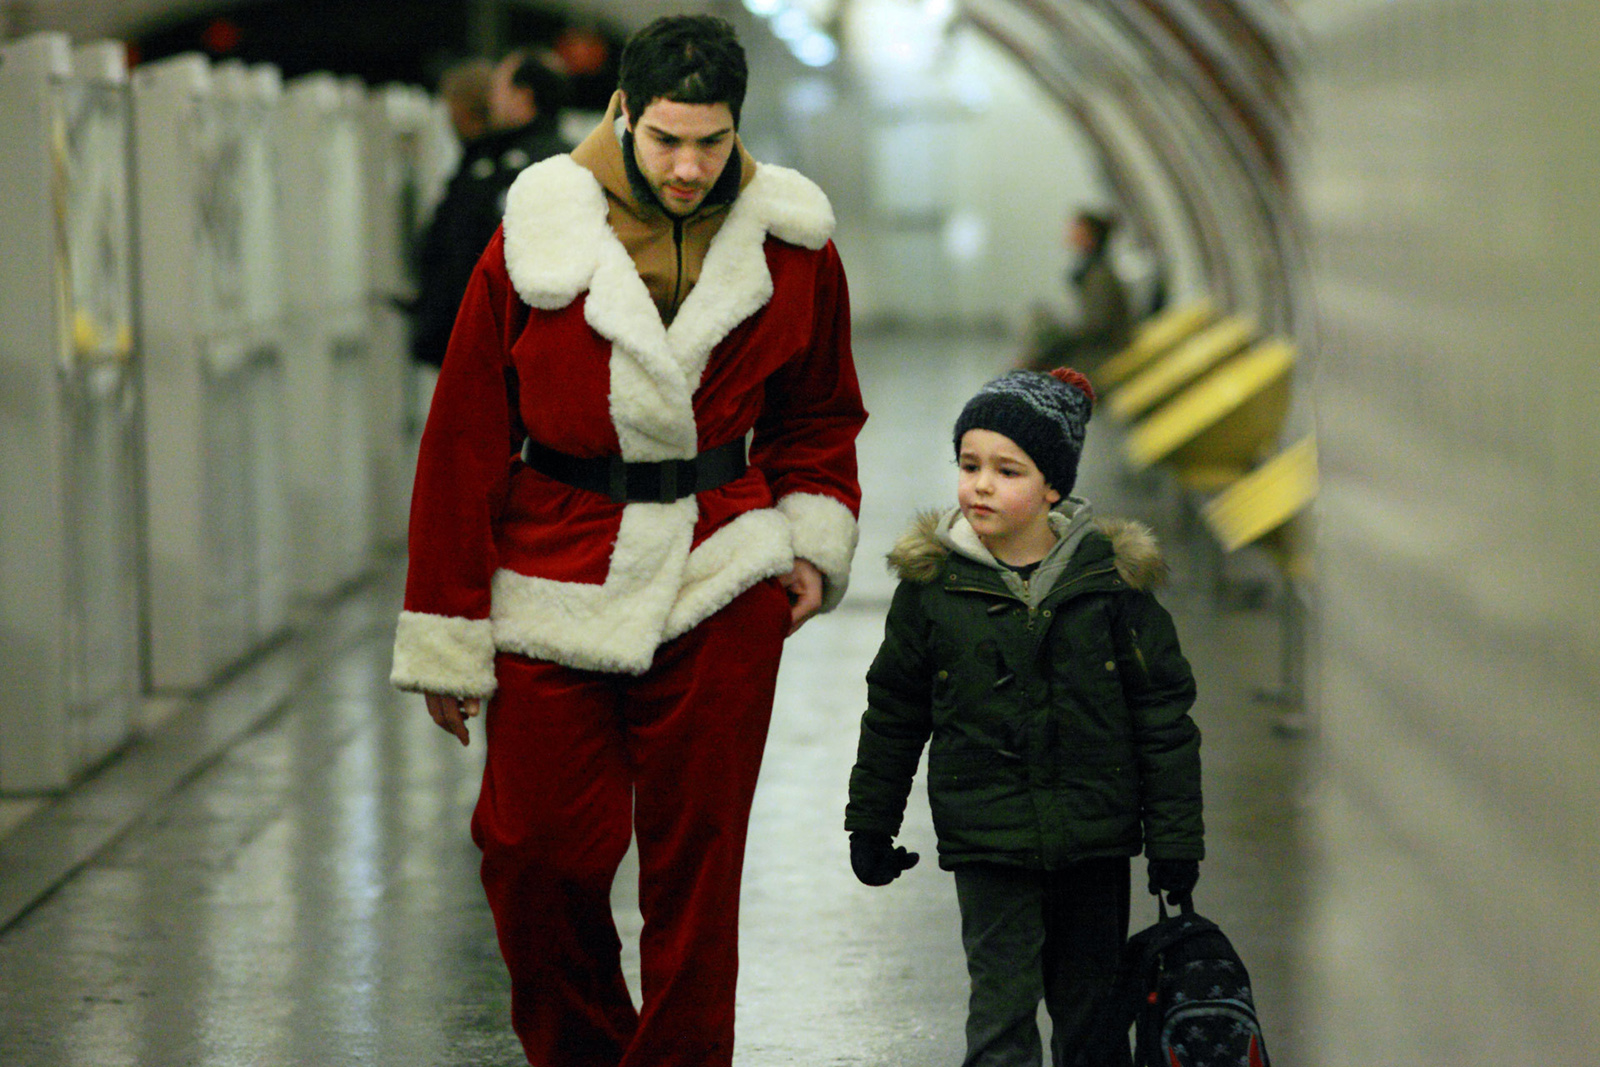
point(667, 251)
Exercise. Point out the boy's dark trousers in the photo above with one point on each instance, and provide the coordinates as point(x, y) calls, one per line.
point(1032, 935)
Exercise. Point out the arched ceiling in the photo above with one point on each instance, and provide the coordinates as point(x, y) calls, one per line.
point(1188, 100)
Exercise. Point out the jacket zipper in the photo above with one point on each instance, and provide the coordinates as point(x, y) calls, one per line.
point(1058, 593)
point(1055, 595)
point(677, 282)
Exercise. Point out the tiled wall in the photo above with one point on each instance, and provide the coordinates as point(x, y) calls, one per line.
point(1451, 180)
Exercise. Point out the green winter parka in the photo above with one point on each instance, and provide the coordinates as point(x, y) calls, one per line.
point(1057, 708)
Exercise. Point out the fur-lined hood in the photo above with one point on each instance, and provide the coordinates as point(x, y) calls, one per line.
point(922, 550)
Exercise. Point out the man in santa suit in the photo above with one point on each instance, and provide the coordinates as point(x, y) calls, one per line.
point(637, 478)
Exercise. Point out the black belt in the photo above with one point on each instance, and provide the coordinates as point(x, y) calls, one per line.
point(655, 483)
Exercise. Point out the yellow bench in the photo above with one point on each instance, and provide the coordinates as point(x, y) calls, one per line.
point(1183, 364)
point(1265, 500)
point(1221, 426)
point(1266, 508)
point(1153, 337)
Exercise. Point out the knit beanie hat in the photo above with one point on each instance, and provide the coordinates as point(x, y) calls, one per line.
point(1045, 414)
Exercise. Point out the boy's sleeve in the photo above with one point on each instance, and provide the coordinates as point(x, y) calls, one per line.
point(1159, 689)
point(897, 721)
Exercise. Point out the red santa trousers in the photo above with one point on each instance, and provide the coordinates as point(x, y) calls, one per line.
point(577, 760)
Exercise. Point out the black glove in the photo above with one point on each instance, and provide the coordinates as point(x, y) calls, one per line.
point(876, 860)
point(1174, 877)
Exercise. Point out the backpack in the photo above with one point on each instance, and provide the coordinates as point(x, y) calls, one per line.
point(1181, 984)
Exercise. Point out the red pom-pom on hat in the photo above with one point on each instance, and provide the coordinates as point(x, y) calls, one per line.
point(1073, 378)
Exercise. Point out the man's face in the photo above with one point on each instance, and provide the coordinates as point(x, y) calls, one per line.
point(681, 149)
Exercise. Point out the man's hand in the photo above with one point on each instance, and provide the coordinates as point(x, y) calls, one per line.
point(452, 713)
point(804, 586)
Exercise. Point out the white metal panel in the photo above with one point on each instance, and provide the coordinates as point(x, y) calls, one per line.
point(318, 143)
point(396, 132)
point(248, 99)
point(216, 510)
point(69, 635)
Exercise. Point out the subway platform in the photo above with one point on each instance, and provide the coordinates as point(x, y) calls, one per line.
point(279, 872)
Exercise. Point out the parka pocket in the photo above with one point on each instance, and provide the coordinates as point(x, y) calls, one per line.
point(965, 766)
point(1101, 786)
point(1085, 658)
point(980, 799)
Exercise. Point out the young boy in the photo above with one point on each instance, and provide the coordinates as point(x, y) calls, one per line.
point(1024, 640)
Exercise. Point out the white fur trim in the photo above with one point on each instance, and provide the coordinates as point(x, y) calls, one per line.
point(559, 245)
point(793, 207)
point(734, 284)
point(823, 531)
point(750, 549)
point(443, 654)
point(616, 625)
point(651, 399)
point(555, 224)
point(656, 590)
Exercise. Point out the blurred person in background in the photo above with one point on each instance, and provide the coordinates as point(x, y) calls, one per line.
point(597, 559)
point(1103, 323)
point(522, 99)
point(465, 91)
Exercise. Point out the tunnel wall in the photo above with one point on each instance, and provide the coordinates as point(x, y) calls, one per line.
point(951, 193)
point(1448, 178)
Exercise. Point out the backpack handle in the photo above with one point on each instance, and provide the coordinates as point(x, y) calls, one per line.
point(1185, 907)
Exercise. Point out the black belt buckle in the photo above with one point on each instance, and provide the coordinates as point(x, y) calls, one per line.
point(649, 483)
point(667, 491)
point(665, 482)
point(617, 480)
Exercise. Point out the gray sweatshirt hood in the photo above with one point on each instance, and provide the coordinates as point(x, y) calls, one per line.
point(934, 535)
point(1070, 520)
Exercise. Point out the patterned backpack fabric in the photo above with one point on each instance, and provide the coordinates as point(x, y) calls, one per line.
point(1185, 990)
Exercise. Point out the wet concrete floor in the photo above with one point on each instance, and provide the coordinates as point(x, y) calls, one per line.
point(280, 873)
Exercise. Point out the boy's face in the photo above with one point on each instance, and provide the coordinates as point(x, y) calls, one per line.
point(681, 149)
point(1001, 493)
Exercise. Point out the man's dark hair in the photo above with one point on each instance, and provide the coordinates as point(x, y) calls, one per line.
point(538, 75)
point(689, 59)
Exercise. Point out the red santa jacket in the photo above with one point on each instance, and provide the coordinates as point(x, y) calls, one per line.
point(558, 339)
